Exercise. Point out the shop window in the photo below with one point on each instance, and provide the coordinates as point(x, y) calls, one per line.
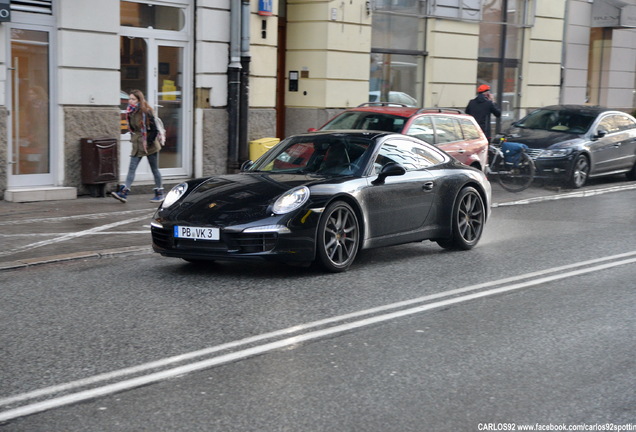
point(152, 16)
point(397, 55)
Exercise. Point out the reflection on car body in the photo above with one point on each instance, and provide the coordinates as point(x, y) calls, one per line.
point(322, 197)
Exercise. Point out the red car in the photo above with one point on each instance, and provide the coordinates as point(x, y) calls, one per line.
point(448, 129)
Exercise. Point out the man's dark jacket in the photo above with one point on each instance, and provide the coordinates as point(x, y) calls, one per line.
point(481, 107)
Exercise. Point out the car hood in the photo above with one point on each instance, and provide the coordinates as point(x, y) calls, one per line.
point(234, 199)
point(537, 138)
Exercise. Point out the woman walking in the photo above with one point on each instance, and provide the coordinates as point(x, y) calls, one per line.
point(143, 130)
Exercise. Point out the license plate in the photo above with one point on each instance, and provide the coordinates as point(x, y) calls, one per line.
point(196, 233)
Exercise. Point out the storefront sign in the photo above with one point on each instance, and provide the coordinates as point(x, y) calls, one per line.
point(5, 11)
point(265, 7)
point(628, 16)
point(613, 13)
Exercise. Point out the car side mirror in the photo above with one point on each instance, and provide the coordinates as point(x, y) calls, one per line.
point(246, 165)
point(600, 133)
point(390, 169)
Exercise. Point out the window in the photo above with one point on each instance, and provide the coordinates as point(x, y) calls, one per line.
point(469, 129)
point(397, 53)
point(610, 123)
point(409, 154)
point(447, 130)
point(366, 121)
point(625, 123)
point(500, 41)
point(422, 128)
point(152, 16)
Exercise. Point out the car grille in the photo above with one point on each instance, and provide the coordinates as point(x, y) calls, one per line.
point(161, 237)
point(255, 242)
point(234, 242)
point(533, 153)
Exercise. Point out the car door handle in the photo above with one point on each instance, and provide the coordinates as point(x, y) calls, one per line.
point(461, 151)
point(428, 186)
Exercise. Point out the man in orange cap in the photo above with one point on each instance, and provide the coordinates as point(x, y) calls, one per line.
point(481, 107)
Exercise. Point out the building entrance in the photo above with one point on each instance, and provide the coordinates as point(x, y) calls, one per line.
point(30, 147)
point(155, 58)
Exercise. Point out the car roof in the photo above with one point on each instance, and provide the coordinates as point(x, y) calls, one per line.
point(401, 111)
point(595, 109)
point(371, 134)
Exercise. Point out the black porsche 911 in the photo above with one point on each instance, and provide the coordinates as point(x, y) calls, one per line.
point(322, 197)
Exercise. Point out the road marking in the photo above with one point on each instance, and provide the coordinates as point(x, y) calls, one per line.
point(49, 234)
point(578, 194)
point(71, 236)
point(57, 219)
point(375, 315)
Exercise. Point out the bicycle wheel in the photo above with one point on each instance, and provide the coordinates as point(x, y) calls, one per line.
point(518, 177)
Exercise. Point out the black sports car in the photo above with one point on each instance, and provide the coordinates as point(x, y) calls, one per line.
point(322, 197)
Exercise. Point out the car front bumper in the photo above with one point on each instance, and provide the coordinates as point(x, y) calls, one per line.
point(553, 168)
point(296, 246)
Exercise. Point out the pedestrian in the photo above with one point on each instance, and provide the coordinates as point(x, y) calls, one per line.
point(481, 107)
point(143, 130)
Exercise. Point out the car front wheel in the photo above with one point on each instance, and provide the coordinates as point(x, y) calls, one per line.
point(338, 237)
point(469, 217)
point(580, 171)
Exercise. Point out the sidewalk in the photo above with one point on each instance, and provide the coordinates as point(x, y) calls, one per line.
point(52, 231)
point(49, 231)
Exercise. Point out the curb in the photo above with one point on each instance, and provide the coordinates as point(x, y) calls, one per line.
point(73, 256)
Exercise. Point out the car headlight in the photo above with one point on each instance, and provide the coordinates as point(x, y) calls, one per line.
point(550, 153)
point(291, 200)
point(174, 195)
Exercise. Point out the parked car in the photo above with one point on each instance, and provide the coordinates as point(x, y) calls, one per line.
point(449, 129)
point(572, 143)
point(322, 197)
point(394, 97)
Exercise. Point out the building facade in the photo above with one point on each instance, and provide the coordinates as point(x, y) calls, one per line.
point(222, 73)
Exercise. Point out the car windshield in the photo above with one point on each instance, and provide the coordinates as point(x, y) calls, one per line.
point(574, 122)
point(323, 155)
point(366, 121)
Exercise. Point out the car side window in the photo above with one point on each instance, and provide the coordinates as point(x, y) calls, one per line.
point(422, 128)
point(469, 129)
point(609, 123)
point(411, 155)
point(625, 123)
point(447, 130)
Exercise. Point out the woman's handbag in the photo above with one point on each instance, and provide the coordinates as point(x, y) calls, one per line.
point(160, 141)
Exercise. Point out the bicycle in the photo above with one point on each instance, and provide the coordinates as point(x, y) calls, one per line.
point(509, 163)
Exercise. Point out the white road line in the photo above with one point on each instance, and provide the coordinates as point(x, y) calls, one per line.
point(578, 194)
point(57, 219)
point(50, 234)
point(73, 235)
point(583, 268)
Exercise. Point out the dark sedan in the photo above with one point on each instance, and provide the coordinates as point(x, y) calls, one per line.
point(322, 197)
point(572, 143)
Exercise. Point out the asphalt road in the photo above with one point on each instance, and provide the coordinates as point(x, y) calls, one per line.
point(535, 325)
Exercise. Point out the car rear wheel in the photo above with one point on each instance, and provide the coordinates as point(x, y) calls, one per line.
point(580, 172)
point(469, 217)
point(338, 237)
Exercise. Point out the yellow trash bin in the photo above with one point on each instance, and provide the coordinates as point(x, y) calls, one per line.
point(260, 146)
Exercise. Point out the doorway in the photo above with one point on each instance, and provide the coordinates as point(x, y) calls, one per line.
point(30, 126)
point(157, 68)
point(156, 58)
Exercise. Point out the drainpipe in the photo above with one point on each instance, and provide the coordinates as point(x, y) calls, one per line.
point(245, 83)
point(234, 82)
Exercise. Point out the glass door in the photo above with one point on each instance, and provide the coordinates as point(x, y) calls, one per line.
point(169, 107)
point(157, 69)
point(30, 149)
